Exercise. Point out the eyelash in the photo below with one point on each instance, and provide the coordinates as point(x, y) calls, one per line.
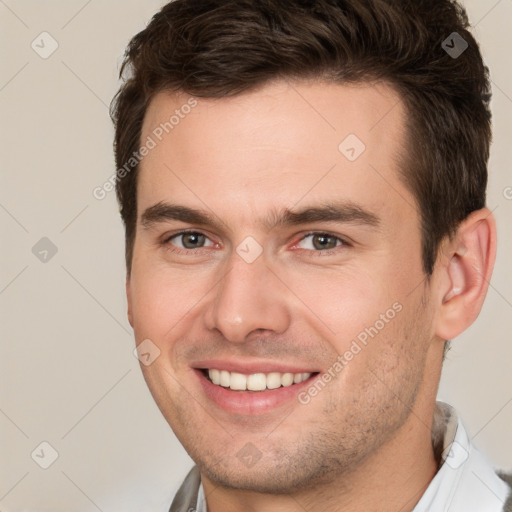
point(327, 252)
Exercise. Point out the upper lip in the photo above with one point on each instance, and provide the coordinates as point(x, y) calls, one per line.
point(252, 366)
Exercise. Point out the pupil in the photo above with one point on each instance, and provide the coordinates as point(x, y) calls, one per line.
point(323, 242)
point(192, 240)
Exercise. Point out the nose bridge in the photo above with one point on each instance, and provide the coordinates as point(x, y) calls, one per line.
point(247, 299)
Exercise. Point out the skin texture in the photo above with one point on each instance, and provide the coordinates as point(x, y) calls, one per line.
point(364, 441)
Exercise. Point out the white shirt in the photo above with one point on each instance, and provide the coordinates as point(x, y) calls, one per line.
point(465, 482)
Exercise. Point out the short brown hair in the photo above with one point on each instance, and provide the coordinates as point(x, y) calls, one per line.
point(217, 48)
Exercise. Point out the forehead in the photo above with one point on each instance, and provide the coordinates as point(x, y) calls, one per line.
point(284, 143)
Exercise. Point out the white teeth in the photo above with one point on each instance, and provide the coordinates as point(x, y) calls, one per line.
point(238, 382)
point(287, 379)
point(274, 380)
point(255, 381)
point(224, 378)
point(215, 376)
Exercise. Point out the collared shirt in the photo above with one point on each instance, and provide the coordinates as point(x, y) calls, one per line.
point(465, 482)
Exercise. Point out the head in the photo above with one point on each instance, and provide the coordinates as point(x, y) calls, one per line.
point(274, 130)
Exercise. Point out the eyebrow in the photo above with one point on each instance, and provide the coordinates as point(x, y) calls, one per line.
point(344, 212)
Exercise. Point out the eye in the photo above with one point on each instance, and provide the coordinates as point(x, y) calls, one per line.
point(320, 242)
point(189, 240)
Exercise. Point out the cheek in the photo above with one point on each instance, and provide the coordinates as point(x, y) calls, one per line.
point(160, 297)
point(345, 300)
point(388, 365)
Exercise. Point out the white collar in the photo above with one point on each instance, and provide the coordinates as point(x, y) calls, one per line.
point(466, 480)
point(201, 502)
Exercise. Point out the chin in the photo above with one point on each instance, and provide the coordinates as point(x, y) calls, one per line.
point(278, 477)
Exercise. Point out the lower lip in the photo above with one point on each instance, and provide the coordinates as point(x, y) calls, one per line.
point(251, 403)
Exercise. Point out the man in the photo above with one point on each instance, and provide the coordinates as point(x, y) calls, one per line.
point(303, 191)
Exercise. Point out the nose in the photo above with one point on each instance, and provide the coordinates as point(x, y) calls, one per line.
point(247, 299)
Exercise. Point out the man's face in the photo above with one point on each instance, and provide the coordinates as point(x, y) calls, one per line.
point(297, 252)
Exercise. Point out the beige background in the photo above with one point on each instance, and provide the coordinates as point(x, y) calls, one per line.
point(67, 374)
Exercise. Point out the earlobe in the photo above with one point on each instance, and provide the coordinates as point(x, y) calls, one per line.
point(466, 275)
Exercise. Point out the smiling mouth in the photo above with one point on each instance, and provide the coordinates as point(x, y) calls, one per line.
point(255, 381)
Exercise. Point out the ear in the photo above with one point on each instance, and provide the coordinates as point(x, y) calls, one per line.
point(465, 273)
point(129, 299)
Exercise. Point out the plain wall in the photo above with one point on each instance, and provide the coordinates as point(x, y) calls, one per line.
point(67, 372)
